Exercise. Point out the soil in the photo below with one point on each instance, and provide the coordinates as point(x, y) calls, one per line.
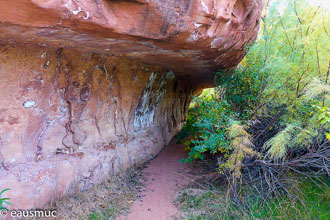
point(163, 178)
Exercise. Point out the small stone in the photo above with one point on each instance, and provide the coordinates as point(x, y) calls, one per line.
point(28, 103)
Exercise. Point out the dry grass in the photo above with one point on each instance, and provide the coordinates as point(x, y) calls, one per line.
point(104, 201)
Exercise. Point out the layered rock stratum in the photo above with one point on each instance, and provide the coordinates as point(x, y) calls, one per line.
point(91, 87)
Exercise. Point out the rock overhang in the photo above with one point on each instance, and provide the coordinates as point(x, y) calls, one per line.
point(192, 37)
point(97, 86)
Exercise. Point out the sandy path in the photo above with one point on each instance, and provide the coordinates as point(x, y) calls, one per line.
point(164, 176)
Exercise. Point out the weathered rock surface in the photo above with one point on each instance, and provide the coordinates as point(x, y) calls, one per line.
point(90, 87)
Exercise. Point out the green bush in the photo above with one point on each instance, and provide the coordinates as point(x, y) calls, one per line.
point(207, 124)
point(211, 114)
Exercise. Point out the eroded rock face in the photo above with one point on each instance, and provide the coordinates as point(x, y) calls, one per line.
point(69, 117)
point(191, 37)
point(91, 87)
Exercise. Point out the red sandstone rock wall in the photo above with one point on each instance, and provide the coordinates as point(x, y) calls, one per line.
point(192, 37)
point(90, 87)
point(73, 118)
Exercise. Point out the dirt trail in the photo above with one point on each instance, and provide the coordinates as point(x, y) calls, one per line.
point(164, 176)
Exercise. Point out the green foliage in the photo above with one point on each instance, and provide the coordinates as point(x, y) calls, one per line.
point(293, 53)
point(323, 115)
point(295, 44)
point(278, 145)
point(207, 123)
point(4, 201)
point(241, 87)
point(212, 114)
point(240, 142)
